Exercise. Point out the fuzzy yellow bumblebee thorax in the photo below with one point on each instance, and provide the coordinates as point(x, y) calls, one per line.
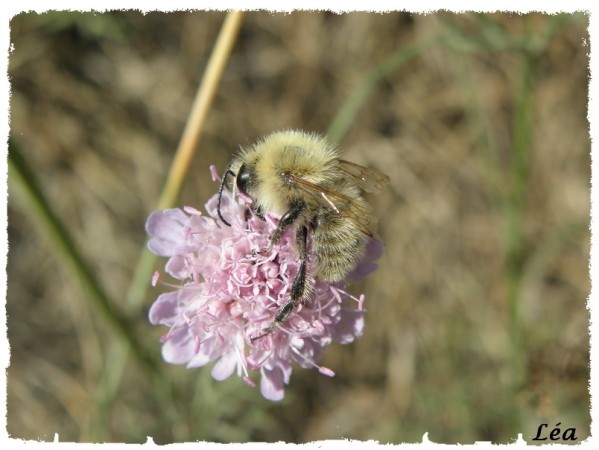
point(271, 161)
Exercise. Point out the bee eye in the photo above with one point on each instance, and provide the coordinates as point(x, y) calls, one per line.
point(243, 179)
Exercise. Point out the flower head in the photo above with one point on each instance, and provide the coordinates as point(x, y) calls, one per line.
point(230, 288)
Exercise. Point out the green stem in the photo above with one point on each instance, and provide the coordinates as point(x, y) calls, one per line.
point(349, 110)
point(519, 174)
point(514, 225)
point(42, 214)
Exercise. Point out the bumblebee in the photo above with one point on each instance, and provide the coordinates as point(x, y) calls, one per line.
point(300, 177)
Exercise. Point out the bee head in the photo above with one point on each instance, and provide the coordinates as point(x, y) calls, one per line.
point(242, 181)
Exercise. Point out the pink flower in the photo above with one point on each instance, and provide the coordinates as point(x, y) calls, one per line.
point(230, 289)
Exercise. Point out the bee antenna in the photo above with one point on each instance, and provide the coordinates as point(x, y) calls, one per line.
point(220, 193)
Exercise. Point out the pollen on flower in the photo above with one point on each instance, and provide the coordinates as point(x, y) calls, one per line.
point(229, 286)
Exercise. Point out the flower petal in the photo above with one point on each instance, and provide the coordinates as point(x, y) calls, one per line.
point(225, 366)
point(167, 232)
point(349, 327)
point(271, 384)
point(374, 250)
point(179, 348)
point(164, 310)
point(177, 268)
point(199, 359)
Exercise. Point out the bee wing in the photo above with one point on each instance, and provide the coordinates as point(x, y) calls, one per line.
point(343, 205)
point(369, 180)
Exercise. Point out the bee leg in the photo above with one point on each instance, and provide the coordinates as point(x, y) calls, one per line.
point(286, 221)
point(259, 213)
point(298, 289)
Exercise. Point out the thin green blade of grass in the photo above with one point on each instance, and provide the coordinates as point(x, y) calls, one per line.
point(479, 124)
point(510, 197)
point(514, 215)
point(42, 214)
point(475, 110)
point(492, 35)
point(516, 202)
point(350, 109)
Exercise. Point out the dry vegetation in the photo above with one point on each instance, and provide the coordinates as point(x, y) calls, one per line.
point(477, 327)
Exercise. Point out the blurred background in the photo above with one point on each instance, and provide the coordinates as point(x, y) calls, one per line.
point(477, 323)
